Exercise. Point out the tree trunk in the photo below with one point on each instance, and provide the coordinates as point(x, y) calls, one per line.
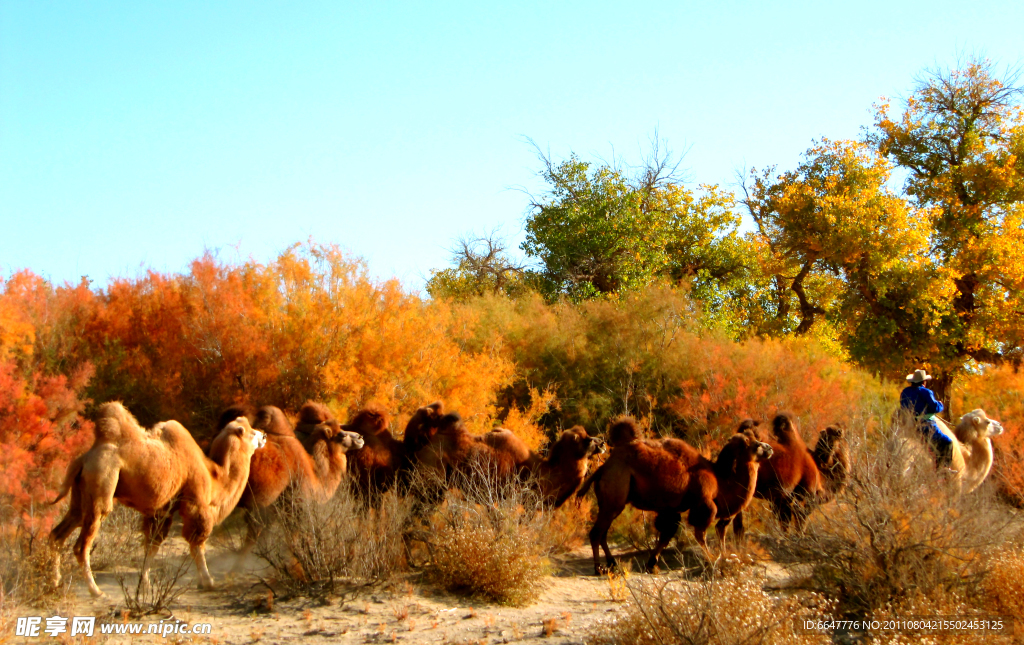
point(942, 385)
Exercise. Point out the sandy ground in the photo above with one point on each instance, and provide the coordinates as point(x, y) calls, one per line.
point(573, 602)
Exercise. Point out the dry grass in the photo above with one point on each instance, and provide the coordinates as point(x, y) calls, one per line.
point(330, 550)
point(900, 528)
point(27, 563)
point(490, 540)
point(724, 611)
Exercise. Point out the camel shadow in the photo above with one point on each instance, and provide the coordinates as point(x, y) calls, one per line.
point(687, 563)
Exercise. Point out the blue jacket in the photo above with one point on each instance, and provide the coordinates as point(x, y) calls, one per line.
point(921, 400)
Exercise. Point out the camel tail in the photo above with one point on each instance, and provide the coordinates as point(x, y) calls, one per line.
point(589, 481)
point(74, 468)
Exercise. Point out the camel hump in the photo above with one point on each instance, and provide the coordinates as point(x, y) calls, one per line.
point(622, 431)
point(235, 411)
point(115, 424)
point(271, 420)
point(313, 413)
point(785, 430)
point(372, 419)
point(173, 434)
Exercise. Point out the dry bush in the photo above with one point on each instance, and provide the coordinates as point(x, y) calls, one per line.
point(27, 563)
point(725, 611)
point(118, 541)
point(634, 528)
point(169, 579)
point(900, 528)
point(938, 602)
point(490, 539)
point(1003, 585)
point(568, 526)
point(333, 549)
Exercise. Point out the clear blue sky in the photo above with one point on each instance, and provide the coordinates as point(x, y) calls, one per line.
point(139, 133)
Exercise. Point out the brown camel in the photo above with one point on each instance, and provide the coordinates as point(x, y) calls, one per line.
point(313, 472)
point(796, 479)
point(375, 468)
point(440, 445)
point(670, 478)
point(565, 467)
point(156, 472)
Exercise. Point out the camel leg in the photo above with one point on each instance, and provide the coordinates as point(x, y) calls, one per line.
point(720, 528)
point(154, 531)
point(599, 538)
point(97, 492)
point(72, 520)
point(254, 522)
point(701, 517)
point(196, 528)
point(667, 523)
point(738, 530)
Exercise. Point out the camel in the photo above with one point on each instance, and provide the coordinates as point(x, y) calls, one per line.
point(313, 472)
point(375, 468)
point(440, 444)
point(972, 450)
point(156, 472)
point(565, 467)
point(670, 477)
point(796, 478)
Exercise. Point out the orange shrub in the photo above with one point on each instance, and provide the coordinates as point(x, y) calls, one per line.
point(650, 354)
point(40, 428)
point(759, 378)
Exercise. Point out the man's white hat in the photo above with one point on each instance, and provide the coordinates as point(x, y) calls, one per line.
point(919, 376)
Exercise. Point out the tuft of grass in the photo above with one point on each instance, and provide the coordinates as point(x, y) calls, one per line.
point(489, 540)
point(899, 528)
point(723, 611)
point(333, 549)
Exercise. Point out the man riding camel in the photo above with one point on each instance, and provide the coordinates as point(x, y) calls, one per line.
point(921, 402)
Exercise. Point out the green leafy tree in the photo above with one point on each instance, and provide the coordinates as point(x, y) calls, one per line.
point(606, 228)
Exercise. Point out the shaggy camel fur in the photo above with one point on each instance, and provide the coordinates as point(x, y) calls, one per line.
point(442, 445)
point(971, 454)
point(439, 444)
point(313, 472)
point(973, 448)
point(156, 472)
point(375, 468)
point(563, 470)
point(796, 479)
point(670, 478)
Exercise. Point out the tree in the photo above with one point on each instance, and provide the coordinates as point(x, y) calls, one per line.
point(607, 228)
point(837, 238)
point(961, 140)
point(482, 266)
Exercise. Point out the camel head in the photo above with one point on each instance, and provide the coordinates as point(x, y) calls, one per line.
point(623, 430)
point(335, 433)
point(576, 445)
point(743, 449)
point(750, 428)
point(423, 425)
point(250, 438)
point(976, 425)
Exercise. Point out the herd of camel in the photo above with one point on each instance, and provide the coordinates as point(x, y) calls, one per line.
point(257, 456)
